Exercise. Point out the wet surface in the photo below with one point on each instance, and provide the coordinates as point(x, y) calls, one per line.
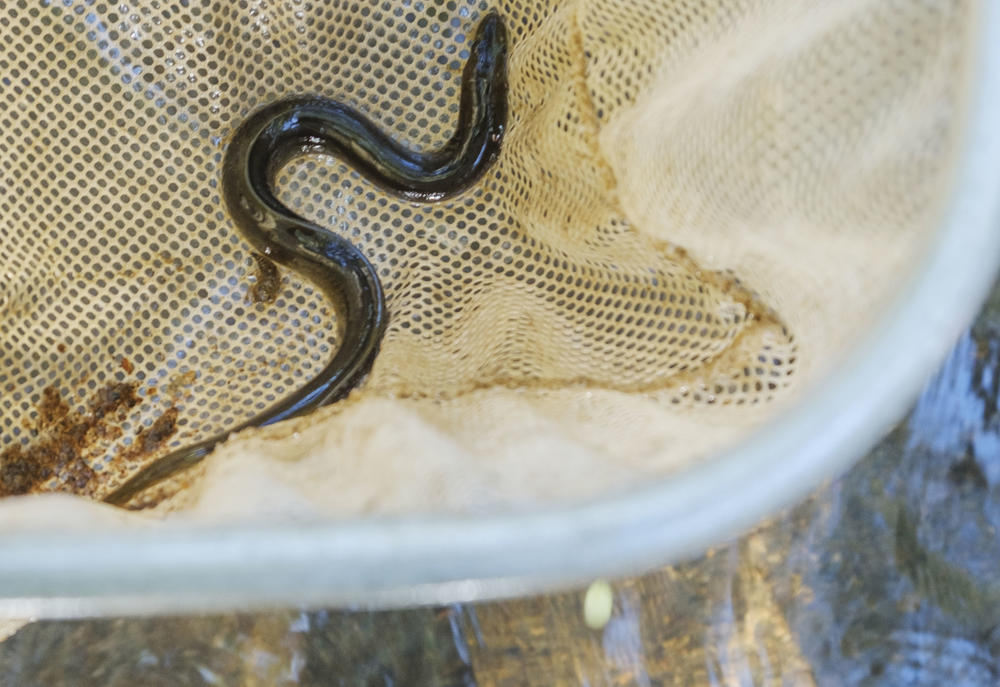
point(889, 576)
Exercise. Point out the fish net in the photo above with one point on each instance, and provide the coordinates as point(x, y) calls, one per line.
point(697, 209)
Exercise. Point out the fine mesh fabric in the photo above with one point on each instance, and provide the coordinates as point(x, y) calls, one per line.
point(697, 208)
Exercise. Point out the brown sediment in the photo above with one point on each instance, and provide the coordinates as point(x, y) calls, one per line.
point(267, 283)
point(65, 437)
point(106, 432)
point(127, 365)
point(112, 397)
point(20, 472)
point(52, 407)
point(150, 440)
point(78, 478)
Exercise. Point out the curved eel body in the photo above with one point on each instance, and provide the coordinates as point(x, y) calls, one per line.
point(290, 128)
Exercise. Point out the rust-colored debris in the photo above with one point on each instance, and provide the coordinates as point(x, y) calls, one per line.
point(148, 441)
point(66, 437)
point(52, 407)
point(267, 283)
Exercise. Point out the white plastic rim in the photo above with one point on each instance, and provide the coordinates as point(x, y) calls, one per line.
point(401, 562)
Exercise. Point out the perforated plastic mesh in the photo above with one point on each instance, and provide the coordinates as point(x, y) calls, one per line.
point(697, 206)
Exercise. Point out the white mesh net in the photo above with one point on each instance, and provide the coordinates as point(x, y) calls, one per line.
point(697, 207)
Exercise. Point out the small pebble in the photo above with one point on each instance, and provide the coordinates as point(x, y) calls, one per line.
point(597, 605)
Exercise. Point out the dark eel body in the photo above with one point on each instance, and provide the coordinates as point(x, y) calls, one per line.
point(297, 126)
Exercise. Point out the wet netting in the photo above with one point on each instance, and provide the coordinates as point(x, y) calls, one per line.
point(695, 209)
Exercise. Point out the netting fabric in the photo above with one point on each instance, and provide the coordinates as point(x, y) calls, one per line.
point(697, 208)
